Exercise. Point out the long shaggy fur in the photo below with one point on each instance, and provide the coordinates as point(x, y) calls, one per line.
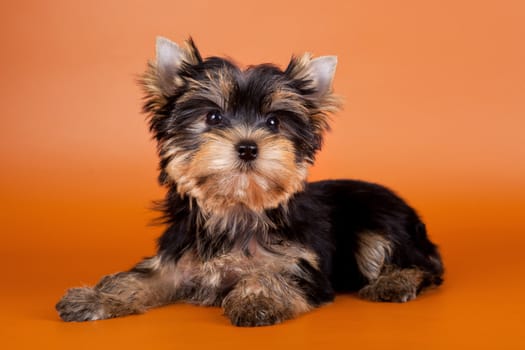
point(245, 231)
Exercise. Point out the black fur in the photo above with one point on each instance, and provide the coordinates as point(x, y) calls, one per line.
point(278, 246)
point(248, 102)
point(327, 217)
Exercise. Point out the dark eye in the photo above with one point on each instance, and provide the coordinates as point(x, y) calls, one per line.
point(213, 118)
point(273, 123)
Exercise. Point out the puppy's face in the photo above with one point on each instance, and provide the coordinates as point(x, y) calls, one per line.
point(230, 137)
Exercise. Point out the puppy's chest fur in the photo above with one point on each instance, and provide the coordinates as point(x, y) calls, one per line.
point(206, 282)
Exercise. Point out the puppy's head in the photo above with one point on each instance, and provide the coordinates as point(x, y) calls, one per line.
point(232, 137)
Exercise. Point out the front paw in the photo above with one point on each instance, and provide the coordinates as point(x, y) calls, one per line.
point(253, 311)
point(80, 304)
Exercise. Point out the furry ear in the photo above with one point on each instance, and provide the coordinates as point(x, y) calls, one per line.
point(322, 70)
point(161, 78)
point(313, 78)
point(169, 59)
point(315, 75)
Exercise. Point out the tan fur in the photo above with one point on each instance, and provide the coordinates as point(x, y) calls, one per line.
point(217, 90)
point(285, 99)
point(326, 103)
point(260, 282)
point(264, 298)
point(150, 83)
point(157, 281)
point(256, 281)
point(301, 66)
point(119, 294)
point(394, 284)
point(189, 52)
point(374, 250)
point(228, 182)
point(154, 85)
point(237, 265)
point(236, 220)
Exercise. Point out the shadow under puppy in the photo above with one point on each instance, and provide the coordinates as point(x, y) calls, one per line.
point(245, 231)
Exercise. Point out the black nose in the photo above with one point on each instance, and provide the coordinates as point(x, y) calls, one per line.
point(247, 150)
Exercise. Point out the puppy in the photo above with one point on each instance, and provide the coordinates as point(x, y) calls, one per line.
point(244, 230)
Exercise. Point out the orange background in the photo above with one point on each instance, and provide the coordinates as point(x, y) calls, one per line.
point(434, 109)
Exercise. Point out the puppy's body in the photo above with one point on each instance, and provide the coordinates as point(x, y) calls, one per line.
point(344, 233)
point(244, 229)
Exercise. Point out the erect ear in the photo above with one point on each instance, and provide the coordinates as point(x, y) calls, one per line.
point(161, 78)
point(322, 70)
point(171, 57)
point(316, 74)
point(313, 78)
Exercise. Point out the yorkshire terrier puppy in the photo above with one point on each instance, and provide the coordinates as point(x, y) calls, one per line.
point(245, 231)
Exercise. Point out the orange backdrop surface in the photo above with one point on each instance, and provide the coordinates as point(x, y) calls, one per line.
point(434, 108)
